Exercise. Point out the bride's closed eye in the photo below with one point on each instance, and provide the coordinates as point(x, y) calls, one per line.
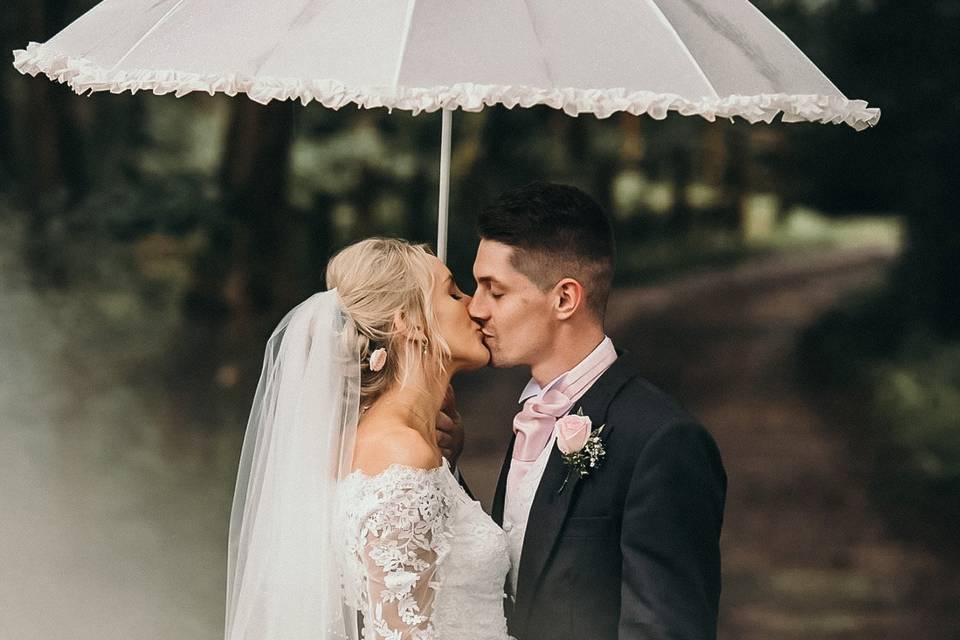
point(455, 292)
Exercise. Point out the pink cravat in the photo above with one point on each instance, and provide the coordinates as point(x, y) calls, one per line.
point(535, 422)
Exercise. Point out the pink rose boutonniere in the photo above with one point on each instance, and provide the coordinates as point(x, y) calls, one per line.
point(580, 445)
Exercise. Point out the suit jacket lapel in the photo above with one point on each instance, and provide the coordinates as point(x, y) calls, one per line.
point(499, 497)
point(549, 509)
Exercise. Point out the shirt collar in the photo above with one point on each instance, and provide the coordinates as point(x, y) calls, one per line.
point(533, 387)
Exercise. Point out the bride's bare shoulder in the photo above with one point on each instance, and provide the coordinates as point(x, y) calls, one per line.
point(381, 444)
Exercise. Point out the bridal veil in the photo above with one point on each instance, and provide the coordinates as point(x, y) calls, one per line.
point(284, 558)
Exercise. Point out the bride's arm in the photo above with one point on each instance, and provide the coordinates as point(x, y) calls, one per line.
point(403, 541)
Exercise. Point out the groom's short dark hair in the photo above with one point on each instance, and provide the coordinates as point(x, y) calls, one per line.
point(557, 231)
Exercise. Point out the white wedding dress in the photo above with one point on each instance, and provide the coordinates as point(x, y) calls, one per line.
point(422, 560)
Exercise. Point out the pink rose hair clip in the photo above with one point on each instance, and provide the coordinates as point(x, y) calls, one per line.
point(378, 359)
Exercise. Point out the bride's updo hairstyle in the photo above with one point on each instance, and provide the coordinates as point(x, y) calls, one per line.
point(385, 284)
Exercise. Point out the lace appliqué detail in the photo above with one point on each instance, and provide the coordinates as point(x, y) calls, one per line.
point(398, 537)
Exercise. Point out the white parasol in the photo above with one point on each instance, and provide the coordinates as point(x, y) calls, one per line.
point(712, 58)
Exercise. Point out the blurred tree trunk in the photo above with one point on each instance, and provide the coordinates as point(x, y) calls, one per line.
point(929, 276)
point(245, 274)
point(51, 164)
point(906, 56)
point(119, 133)
point(50, 144)
point(254, 178)
point(600, 169)
point(681, 216)
point(420, 225)
point(736, 178)
point(8, 154)
point(712, 167)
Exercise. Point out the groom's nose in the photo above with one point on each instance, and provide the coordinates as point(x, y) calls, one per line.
point(476, 310)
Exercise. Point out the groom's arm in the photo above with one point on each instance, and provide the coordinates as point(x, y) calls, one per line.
point(670, 538)
point(450, 436)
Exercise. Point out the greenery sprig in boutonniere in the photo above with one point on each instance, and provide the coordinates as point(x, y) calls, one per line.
point(580, 446)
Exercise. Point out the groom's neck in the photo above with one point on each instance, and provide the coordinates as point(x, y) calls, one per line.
point(570, 345)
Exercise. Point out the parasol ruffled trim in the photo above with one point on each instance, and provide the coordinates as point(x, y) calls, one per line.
point(83, 76)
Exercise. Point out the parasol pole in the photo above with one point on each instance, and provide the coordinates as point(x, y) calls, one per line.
point(445, 131)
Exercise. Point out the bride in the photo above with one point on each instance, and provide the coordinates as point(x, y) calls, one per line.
point(347, 521)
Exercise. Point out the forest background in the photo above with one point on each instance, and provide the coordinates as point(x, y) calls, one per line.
point(167, 236)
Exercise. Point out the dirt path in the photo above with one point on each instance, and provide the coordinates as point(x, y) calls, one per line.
point(805, 556)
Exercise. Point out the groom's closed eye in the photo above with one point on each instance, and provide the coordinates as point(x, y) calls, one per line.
point(493, 294)
point(496, 291)
point(489, 288)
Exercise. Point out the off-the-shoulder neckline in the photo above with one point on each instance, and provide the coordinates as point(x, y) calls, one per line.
point(444, 465)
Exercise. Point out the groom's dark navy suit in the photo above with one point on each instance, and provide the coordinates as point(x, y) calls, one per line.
point(632, 550)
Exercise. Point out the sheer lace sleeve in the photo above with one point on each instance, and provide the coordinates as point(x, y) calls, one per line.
point(401, 543)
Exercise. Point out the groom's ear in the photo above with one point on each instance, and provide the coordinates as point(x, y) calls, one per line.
point(569, 297)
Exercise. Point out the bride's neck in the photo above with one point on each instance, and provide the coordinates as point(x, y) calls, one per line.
point(415, 404)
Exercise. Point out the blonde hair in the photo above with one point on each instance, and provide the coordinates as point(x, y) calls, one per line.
point(385, 284)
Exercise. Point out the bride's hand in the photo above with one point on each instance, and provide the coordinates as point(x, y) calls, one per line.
point(450, 429)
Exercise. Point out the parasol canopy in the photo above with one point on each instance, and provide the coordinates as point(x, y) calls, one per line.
point(712, 58)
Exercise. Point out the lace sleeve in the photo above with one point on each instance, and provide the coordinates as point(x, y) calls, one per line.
point(404, 540)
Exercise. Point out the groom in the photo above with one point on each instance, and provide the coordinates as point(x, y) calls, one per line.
point(629, 549)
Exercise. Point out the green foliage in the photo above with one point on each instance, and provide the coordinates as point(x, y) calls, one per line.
point(917, 395)
point(894, 386)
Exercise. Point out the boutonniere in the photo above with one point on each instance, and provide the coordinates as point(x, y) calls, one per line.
point(580, 446)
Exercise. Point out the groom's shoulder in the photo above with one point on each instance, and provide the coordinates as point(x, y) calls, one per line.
point(640, 399)
point(638, 404)
point(641, 413)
